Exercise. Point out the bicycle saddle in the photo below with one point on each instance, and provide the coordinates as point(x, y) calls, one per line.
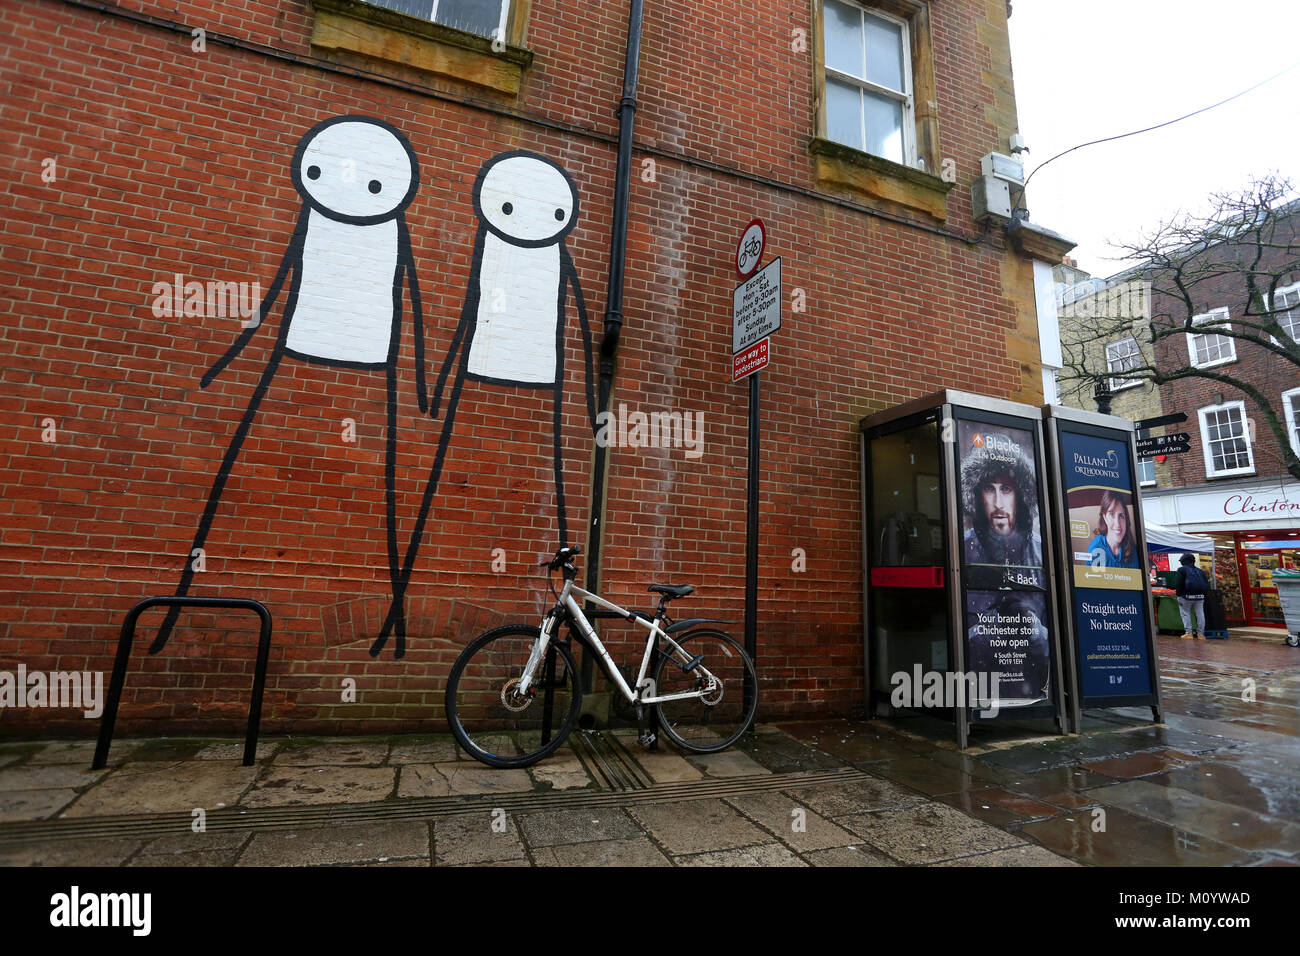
point(671, 590)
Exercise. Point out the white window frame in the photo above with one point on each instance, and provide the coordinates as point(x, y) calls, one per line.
point(1287, 290)
point(1119, 384)
point(907, 97)
point(1146, 482)
point(1291, 408)
point(1218, 317)
point(1208, 453)
point(502, 23)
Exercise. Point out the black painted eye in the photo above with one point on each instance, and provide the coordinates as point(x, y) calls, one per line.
point(559, 215)
point(375, 185)
point(313, 172)
point(507, 208)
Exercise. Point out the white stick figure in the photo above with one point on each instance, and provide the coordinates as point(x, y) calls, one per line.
point(511, 329)
point(350, 256)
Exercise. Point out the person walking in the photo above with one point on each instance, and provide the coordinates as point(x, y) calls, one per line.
point(1190, 587)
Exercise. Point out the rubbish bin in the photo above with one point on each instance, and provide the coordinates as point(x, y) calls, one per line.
point(1288, 590)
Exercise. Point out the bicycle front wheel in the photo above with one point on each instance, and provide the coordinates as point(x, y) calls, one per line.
point(716, 720)
point(490, 720)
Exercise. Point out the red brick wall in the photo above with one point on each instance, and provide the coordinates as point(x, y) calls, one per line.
point(170, 161)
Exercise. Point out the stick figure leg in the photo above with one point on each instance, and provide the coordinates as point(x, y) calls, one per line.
point(214, 497)
point(397, 612)
point(559, 468)
point(390, 500)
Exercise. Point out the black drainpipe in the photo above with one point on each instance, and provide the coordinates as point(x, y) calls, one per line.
point(614, 309)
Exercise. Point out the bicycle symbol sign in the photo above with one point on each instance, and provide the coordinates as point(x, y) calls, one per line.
point(749, 252)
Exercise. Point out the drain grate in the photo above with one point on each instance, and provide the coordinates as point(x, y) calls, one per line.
point(609, 762)
point(149, 826)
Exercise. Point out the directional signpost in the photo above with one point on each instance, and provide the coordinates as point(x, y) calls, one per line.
point(1176, 418)
point(756, 315)
point(1163, 445)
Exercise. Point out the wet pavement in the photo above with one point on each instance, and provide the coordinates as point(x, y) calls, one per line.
point(1217, 784)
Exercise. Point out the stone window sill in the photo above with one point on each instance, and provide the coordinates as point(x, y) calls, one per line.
point(847, 168)
point(351, 26)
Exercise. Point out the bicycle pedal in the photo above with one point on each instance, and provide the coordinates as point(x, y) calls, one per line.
point(693, 663)
point(647, 740)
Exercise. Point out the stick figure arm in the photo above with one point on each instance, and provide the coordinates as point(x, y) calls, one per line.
point(290, 258)
point(572, 276)
point(417, 319)
point(468, 313)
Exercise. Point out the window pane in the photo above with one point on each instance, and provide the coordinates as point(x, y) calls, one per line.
point(884, 126)
point(1146, 471)
point(885, 53)
point(1290, 319)
point(415, 8)
point(843, 113)
point(843, 38)
point(472, 16)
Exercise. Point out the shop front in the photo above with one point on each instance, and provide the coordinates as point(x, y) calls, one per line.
point(1256, 530)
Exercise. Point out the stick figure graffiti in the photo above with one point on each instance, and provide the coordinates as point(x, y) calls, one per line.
point(511, 329)
point(350, 256)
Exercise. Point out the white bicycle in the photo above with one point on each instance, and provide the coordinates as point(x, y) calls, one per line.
point(514, 694)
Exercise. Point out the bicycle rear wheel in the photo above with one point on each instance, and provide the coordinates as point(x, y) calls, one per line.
point(715, 721)
point(493, 724)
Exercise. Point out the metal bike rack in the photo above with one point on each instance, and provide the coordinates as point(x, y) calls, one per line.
point(124, 654)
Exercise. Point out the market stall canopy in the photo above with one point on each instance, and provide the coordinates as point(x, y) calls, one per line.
point(1162, 540)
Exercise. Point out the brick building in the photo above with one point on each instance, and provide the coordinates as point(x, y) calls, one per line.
point(170, 161)
point(1234, 483)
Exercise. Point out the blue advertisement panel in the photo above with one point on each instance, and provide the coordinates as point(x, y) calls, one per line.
point(1112, 635)
point(1110, 611)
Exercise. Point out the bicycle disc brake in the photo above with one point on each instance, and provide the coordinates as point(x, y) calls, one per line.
point(510, 700)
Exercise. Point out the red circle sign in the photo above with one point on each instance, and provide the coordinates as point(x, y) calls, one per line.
point(749, 252)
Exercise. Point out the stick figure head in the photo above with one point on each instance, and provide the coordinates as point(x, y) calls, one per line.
point(525, 199)
point(355, 169)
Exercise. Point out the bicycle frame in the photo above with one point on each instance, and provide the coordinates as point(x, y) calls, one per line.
point(574, 612)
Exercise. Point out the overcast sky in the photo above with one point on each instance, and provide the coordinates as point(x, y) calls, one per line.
point(1094, 69)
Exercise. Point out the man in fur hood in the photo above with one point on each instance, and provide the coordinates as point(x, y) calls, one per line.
point(1000, 497)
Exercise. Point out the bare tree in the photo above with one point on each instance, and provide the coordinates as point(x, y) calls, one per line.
point(1238, 255)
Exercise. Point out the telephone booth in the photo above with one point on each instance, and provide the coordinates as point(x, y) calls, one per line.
point(961, 612)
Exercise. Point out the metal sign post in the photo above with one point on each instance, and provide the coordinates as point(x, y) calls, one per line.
point(757, 314)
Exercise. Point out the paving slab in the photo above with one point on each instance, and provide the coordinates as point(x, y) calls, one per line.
point(555, 827)
point(193, 842)
point(471, 839)
point(289, 786)
point(200, 858)
point(352, 843)
point(1141, 765)
point(927, 833)
point(768, 854)
point(78, 853)
point(235, 751)
point(441, 750)
point(999, 807)
point(1240, 784)
point(782, 754)
point(638, 851)
point(26, 776)
point(849, 856)
point(562, 771)
point(1130, 840)
point(729, 763)
point(665, 767)
point(1014, 856)
point(697, 826)
point(447, 779)
point(33, 804)
point(1201, 815)
point(353, 753)
point(83, 752)
point(839, 799)
point(794, 825)
point(165, 788)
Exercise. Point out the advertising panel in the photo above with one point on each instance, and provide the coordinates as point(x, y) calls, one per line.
point(1002, 561)
point(1110, 612)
